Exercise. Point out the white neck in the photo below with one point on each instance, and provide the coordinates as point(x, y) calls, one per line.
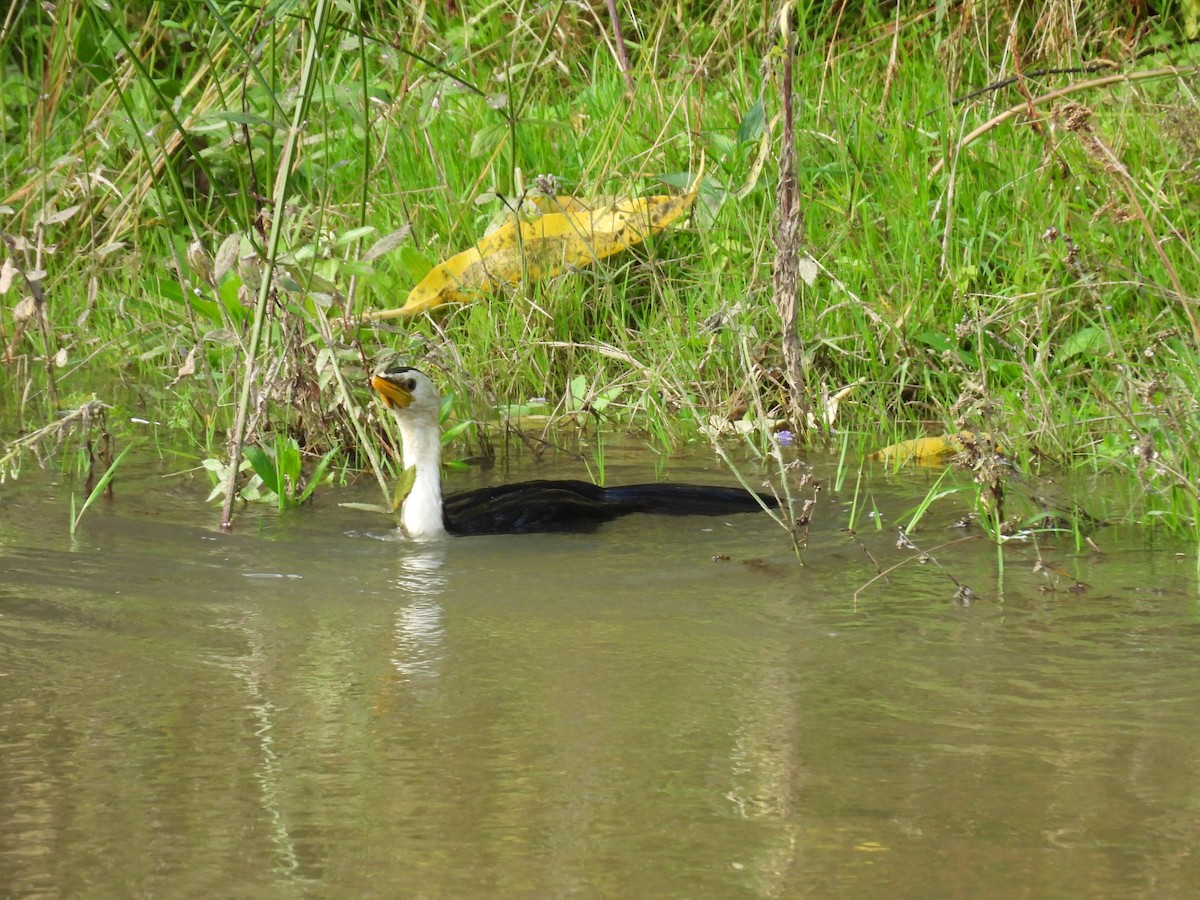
point(422, 514)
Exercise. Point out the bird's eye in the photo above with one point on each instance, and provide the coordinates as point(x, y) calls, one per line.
point(410, 384)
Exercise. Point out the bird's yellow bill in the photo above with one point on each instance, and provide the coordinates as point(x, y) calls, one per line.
point(392, 394)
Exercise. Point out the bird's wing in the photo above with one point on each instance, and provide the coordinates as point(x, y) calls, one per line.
point(531, 506)
point(580, 506)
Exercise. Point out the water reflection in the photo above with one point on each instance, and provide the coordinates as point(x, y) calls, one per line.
point(418, 649)
point(250, 669)
point(304, 709)
point(764, 771)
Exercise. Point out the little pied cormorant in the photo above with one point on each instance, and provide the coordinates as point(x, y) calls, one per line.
point(530, 506)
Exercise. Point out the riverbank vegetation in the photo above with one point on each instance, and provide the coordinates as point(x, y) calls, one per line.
point(986, 219)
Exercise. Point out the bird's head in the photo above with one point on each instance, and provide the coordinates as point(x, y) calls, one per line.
point(406, 391)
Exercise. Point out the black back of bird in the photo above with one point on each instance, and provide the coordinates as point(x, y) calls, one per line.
point(578, 506)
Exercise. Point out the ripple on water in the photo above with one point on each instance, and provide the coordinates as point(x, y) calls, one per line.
point(662, 707)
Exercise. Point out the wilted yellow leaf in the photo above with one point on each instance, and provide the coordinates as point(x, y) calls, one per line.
point(930, 450)
point(568, 235)
point(7, 273)
point(563, 203)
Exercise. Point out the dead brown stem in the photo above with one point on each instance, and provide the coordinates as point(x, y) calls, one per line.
point(789, 233)
point(1025, 105)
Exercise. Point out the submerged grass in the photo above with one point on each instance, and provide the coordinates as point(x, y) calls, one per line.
point(1028, 274)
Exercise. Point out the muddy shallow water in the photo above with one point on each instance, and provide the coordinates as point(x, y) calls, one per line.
point(309, 706)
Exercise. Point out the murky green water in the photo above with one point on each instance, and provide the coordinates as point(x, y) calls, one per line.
point(307, 707)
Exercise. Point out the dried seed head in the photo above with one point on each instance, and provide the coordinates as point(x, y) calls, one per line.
point(1073, 117)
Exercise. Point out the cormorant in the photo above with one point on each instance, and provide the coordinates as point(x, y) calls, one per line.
point(530, 506)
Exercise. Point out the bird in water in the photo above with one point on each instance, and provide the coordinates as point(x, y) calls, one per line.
point(530, 506)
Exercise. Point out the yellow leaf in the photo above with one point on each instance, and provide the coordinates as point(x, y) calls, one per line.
point(930, 451)
point(571, 235)
point(560, 204)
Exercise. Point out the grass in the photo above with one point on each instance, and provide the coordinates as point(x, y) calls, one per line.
point(98, 491)
point(1038, 283)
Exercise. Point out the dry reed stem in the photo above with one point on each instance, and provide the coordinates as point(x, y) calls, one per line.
point(1075, 118)
point(619, 40)
point(1027, 104)
point(56, 429)
point(789, 232)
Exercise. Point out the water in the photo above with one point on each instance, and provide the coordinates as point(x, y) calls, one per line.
point(309, 707)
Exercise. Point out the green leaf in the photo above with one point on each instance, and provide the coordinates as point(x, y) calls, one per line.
point(676, 179)
point(488, 140)
point(722, 145)
point(1005, 372)
point(404, 487)
point(101, 484)
point(208, 310)
point(264, 467)
point(578, 392)
point(938, 342)
point(1091, 341)
point(516, 410)
point(449, 435)
point(168, 290)
point(318, 473)
point(753, 123)
point(287, 460)
point(415, 264)
point(353, 267)
point(354, 234)
point(606, 397)
point(239, 118)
